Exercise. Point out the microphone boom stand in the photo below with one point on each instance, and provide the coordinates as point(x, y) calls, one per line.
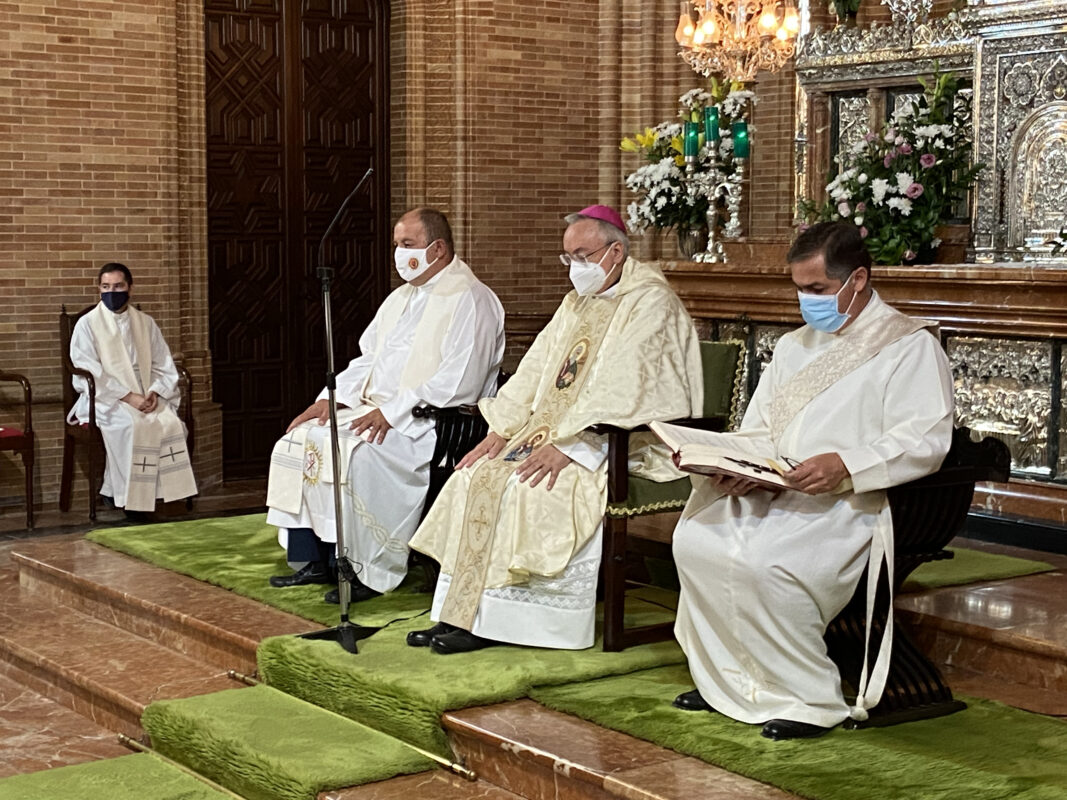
point(345, 634)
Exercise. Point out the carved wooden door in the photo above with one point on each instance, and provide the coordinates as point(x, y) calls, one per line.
point(297, 110)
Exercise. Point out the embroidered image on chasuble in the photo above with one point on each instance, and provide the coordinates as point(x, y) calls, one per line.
point(624, 361)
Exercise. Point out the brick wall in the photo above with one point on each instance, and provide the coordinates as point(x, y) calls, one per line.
point(98, 117)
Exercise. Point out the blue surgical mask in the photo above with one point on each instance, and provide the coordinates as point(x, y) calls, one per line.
point(114, 300)
point(820, 310)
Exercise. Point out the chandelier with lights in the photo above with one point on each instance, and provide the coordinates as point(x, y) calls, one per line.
point(737, 38)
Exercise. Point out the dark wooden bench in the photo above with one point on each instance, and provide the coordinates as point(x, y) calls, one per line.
point(927, 514)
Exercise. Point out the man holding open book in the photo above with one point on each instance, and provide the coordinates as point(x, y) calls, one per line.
point(854, 402)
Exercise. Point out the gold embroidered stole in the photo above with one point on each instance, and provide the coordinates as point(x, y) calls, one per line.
point(844, 355)
point(491, 476)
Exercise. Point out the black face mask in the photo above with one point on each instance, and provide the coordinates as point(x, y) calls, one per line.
point(115, 300)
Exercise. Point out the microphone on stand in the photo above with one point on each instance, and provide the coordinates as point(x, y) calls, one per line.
point(345, 634)
point(324, 272)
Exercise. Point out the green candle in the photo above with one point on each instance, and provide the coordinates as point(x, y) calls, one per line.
point(740, 134)
point(711, 124)
point(691, 141)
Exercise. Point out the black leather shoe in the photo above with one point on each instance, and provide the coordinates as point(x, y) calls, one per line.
point(779, 729)
point(359, 592)
point(459, 641)
point(312, 572)
point(422, 638)
point(691, 701)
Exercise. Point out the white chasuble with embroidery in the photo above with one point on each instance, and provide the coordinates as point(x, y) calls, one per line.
point(625, 361)
point(763, 575)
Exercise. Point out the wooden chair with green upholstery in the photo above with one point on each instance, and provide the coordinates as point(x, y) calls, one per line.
point(629, 496)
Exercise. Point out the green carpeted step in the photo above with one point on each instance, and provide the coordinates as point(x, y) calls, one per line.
point(986, 752)
point(404, 690)
point(265, 745)
point(133, 777)
point(971, 566)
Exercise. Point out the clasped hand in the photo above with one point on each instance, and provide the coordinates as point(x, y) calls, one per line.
point(543, 462)
point(146, 404)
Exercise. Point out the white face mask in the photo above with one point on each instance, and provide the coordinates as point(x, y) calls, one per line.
point(588, 277)
point(411, 262)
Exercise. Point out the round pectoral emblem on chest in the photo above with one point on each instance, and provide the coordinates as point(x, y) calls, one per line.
point(312, 463)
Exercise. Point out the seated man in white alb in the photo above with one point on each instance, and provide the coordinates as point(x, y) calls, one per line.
point(860, 400)
point(136, 397)
point(436, 340)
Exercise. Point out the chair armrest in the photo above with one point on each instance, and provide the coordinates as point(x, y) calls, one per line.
point(717, 423)
point(619, 449)
point(27, 397)
point(91, 381)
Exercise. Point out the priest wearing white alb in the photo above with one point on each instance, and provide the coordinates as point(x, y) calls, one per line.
point(437, 340)
point(517, 528)
point(860, 400)
point(136, 390)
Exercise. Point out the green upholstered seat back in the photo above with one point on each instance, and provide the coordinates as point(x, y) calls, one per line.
point(720, 362)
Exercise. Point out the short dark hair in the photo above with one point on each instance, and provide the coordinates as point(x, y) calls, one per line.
point(435, 224)
point(114, 266)
point(840, 244)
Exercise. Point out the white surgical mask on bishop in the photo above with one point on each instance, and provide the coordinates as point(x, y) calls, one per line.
point(588, 277)
point(411, 262)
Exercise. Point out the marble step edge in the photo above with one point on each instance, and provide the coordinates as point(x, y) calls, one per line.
point(965, 630)
point(101, 704)
point(148, 618)
point(435, 785)
point(86, 693)
point(537, 753)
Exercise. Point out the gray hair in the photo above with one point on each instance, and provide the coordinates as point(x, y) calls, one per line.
point(610, 233)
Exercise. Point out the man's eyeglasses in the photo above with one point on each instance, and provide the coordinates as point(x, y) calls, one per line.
point(567, 258)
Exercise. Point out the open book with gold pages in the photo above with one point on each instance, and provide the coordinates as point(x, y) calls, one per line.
point(711, 453)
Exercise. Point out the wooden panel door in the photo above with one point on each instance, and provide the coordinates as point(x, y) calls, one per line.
point(297, 109)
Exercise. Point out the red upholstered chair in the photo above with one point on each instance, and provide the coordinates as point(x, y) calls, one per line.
point(20, 440)
point(88, 433)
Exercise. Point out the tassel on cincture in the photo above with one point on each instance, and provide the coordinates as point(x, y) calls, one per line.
point(858, 713)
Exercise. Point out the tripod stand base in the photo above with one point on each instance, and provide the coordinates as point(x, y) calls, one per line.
point(345, 635)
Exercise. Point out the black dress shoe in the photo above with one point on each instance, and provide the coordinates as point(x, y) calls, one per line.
point(312, 572)
point(691, 701)
point(359, 592)
point(779, 729)
point(459, 641)
point(422, 638)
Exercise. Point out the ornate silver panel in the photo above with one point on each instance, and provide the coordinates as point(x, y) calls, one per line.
point(1021, 114)
point(853, 120)
point(1037, 178)
point(1061, 466)
point(1004, 389)
point(904, 100)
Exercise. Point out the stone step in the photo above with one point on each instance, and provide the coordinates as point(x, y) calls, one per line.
point(436, 785)
point(98, 670)
point(188, 616)
point(539, 754)
point(1004, 631)
point(37, 734)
